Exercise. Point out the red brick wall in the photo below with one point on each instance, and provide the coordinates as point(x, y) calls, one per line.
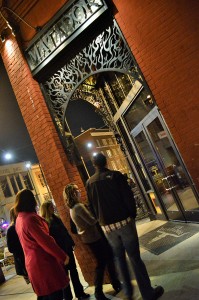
point(163, 36)
point(58, 171)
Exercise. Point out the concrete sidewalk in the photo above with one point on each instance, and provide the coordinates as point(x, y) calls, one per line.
point(176, 269)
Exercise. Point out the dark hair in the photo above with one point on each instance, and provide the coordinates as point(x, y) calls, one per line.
point(25, 202)
point(99, 160)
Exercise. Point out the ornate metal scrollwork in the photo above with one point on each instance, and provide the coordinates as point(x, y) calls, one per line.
point(108, 51)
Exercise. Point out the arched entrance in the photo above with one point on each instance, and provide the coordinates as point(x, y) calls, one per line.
point(97, 74)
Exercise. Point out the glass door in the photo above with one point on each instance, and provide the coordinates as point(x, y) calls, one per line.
point(165, 168)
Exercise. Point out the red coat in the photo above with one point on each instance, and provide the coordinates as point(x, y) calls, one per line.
point(43, 258)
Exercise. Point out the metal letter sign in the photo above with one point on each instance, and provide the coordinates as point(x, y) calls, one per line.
point(69, 23)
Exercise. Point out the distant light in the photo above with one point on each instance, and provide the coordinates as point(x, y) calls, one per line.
point(8, 156)
point(5, 225)
point(89, 145)
point(95, 153)
point(28, 165)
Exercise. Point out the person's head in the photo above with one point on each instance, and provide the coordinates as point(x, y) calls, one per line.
point(71, 194)
point(99, 161)
point(25, 202)
point(47, 210)
point(12, 216)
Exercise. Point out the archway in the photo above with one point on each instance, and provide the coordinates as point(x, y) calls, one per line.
point(105, 91)
point(85, 76)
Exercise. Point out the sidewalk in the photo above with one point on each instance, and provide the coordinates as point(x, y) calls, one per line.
point(176, 269)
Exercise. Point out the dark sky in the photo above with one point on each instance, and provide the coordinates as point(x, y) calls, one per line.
point(14, 136)
point(81, 113)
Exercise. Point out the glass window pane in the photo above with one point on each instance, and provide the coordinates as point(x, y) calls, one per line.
point(139, 109)
point(156, 172)
point(176, 176)
point(5, 187)
point(13, 183)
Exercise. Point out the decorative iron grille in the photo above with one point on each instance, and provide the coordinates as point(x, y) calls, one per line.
point(107, 52)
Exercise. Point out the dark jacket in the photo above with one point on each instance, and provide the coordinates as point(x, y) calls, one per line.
point(14, 246)
point(59, 232)
point(110, 197)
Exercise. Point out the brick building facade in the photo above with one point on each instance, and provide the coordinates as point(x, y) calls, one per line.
point(163, 38)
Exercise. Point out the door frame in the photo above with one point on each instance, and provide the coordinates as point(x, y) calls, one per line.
point(142, 126)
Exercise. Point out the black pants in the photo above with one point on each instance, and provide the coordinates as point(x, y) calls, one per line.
point(104, 256)
point(54, 296)
point(74, 276)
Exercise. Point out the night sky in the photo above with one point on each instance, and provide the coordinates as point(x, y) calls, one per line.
point(81, 114)
point(14, 136)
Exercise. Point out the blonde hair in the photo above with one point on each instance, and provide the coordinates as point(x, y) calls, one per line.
point(45, 211)
point(12, 216)
point(70, 195)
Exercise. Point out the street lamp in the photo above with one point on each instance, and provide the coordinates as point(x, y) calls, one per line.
point(28, 165)
point(8, 156)
point(89, 145)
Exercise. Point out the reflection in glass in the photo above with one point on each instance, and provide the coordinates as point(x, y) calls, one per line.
point(176, 177)
point(156, 172)
point(139, 109)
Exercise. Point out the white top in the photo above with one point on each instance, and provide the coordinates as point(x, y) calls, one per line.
point(85, 223)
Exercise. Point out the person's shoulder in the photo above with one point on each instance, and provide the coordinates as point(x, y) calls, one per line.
point(34, 218)
point(78, 208)
point(91, 179)
point(115, 173)
point(56, 218)
point(11, 229)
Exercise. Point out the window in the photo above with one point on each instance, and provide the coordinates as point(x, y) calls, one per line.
point(110, 141)
point(113, 165)
point(13, 183)
point(5, 187)
point(109, 153)
point(98, 143)
point(27, 181)
point(41, 179)
point(18, 179)
point(104, 142)
point(115, 151)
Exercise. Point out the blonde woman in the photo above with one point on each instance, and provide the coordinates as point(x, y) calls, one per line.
point(90, 234)
point(59, 232)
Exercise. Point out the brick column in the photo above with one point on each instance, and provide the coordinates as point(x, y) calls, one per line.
point(58, 171)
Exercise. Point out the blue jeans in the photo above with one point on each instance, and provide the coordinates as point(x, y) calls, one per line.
point(122, 241)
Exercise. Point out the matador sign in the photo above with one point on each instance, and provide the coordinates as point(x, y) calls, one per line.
point(70, 21)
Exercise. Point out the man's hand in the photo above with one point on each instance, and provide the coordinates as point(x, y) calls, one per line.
point(66, 260)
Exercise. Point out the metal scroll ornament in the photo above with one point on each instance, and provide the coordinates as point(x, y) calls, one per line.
point(107, 52)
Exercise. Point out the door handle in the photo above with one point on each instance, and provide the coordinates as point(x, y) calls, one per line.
point(165, 179)
point(172, 186)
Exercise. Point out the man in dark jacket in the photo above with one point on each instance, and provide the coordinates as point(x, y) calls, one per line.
point(112, 203)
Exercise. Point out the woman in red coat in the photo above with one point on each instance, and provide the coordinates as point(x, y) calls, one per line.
point(43, 258)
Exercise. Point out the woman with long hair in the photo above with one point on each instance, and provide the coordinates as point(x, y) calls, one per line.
point(92, 236)
point(44, 259)
point(59, 232)
point(14, 247)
